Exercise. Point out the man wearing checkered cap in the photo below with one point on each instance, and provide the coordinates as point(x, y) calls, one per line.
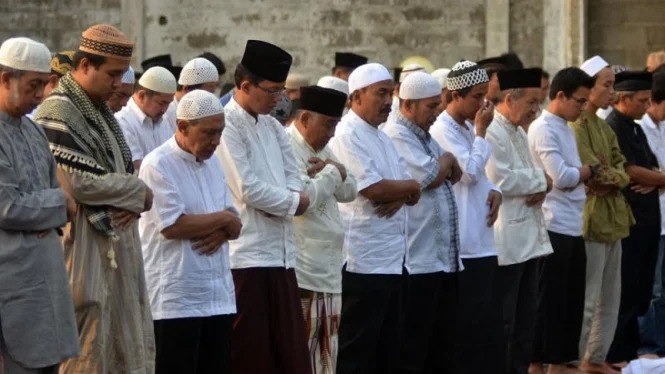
point(184, 240)
point(479, 325)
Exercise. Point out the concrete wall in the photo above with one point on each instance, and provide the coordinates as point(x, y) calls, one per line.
point(542, 32)
point(624, 32)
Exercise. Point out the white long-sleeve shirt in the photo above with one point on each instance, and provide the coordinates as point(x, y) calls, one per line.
point(372, 245)
point(263, 178)
point(181, 282)
point(554, 149)
point(656, 137)
point(319, 232)
point(472, 191)
point(142, 134)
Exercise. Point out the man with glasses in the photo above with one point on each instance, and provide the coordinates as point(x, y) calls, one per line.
point(255, 152)
point(640, 248)
point(606, 219)
point(553, 148)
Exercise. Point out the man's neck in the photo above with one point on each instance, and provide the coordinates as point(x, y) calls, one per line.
point(591, 108)
point(654, 118)
point(243, 103)
point(504, 112)
point(554, 109)
point(455, 114)
point(362, 117)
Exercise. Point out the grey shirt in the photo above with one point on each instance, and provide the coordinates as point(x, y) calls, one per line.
point(36, 311)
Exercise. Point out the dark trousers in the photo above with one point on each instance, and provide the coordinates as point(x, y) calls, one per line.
point(443, 327)
point(561, 302)
point(638, 267)
point(518, 289)
point(421, 301)
point(479, 327)
point(371, 323)
point(193, 345)
point(268, 331)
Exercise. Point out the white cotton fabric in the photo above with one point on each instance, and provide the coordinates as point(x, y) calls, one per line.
point(181, 282)
point(593, 65)
point(442, 76)
point(334, 83)
point(372, 245)
point(158, 79)
point(368, 74)
point(656, 138)
point(142, 134)
point(25, 54)
point(419, 85)
point(198, 71)
point(129, 77)
point(198, 104)
point(408, 69)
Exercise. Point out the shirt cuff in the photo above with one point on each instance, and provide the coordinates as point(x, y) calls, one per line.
point(429, 178)
point(295, 201)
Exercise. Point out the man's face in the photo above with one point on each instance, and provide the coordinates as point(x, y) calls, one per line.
point(602, 93)
point(24, 93)
point(572, 107)
point(544, 89)
point(373, 102)
point(264, 96)
point(154, 106)
point(473, 101)
point(202, 137)
point(317, 129)
point(493, 88)
point(635, 106)
point(343, 73)
point(423, 112)
point(444, 100)
point(120, 97)
point(524, 107)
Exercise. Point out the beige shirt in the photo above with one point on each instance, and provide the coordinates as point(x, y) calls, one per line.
point(319, 232)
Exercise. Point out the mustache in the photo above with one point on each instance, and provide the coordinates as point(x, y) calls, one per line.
point(386, 109)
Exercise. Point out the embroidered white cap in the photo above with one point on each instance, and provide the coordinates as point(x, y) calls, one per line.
point(368, 74)
point(408, 69)
point(442, 76)
point(129, 77)
point(198, 104)
point(419, 85)
point(158, 79)
point(25, 54)
point(198, 71)
point(593, 65)
point(334, 83)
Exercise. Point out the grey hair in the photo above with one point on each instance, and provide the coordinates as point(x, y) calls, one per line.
point(618, 94)
point(516, 93)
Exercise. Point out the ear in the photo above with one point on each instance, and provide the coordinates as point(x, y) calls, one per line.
point(182, 125)
point(53, 80)
point(244, 86)
point(560, 95)
point(305, 116)
point(5, 77)
point(84, 65)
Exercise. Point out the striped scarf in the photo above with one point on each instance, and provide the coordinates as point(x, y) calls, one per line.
point(77, 137)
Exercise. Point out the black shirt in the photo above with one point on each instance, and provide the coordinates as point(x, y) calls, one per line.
point(635, 147)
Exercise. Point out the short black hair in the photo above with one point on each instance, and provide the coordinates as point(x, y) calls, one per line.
point(243, 74)
point(658, 89)
point(462, 93)
point(544, 74)
point(568, 80)
point(13, 73)
point(343, 68)
point(180, 87)
point(95, 60)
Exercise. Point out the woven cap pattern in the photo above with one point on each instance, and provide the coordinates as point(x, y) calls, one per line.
point(198, 71)
point(198, 104)
point(106, 40)
point(466, 74)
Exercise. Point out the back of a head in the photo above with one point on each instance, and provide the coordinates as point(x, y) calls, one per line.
point(658, 89)
point(569, 80)
point(198, 71)
point(219, 65)
point(655, 59)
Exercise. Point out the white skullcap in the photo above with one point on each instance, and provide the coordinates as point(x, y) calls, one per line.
point(25, 54)
point(334, 83)
point(198, 71)
point(158, 79)
point(593, 65)
point(198, 104)
point(368, 74)
point(294, 81)
point(442, 76)
point(408, 69)
point(419, 85)
point(129, 77)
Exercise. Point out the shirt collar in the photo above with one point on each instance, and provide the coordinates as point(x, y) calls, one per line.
point(503, 121)
point(233, 105)
point(297, 136)
point(173, 144)
point(134, 107)
point(420, 133)
point(361, 123)
point(553, 118)
point(648, 121)
point(624, 118)
point(6, 118)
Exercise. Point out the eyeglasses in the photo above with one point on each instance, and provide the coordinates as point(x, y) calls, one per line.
point(273, 93)
point(580, 101)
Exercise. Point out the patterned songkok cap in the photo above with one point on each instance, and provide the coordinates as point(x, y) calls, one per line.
point(466, 74)
point(106, 40)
